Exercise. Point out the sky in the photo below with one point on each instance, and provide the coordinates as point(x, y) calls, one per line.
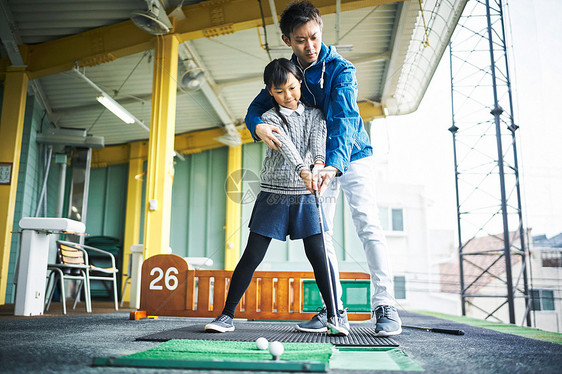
point(536, 48)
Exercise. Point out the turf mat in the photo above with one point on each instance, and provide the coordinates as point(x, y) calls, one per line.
point(372, 358)
point(225, 355)
point(181, 349)
point(283, 332)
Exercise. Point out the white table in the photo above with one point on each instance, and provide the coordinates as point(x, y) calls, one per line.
point(33, 260)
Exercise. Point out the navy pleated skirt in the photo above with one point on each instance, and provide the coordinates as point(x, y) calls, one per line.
point(276, 216)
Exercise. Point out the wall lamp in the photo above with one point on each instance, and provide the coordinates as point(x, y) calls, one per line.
point(112, 105)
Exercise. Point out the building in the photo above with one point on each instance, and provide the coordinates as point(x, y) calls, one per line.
point(485, 275)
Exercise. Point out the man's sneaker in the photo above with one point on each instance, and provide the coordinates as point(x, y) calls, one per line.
point(222, 323)
point(342, 329)
point(318, 322)
point(388, 322)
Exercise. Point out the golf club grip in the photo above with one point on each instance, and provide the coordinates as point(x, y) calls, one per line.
point(435, 329)
point(447, 331)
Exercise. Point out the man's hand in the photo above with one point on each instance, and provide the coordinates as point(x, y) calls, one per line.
point(308, 180)
point(325, 177)
point(265, 133)
point(315, 174)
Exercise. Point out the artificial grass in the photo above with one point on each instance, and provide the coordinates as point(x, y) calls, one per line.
point(526, 332)
point(212, 350)
point(236, 355)
point(373, 358)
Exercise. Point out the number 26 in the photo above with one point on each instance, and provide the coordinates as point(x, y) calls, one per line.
point(170, 280)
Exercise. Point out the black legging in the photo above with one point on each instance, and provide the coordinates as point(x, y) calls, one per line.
point(253, 256)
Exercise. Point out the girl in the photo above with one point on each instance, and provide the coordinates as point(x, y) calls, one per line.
point(285, 205)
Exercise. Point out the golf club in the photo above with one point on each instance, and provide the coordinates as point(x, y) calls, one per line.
point(328, 264)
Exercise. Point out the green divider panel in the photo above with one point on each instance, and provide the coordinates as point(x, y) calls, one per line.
point(356, 295)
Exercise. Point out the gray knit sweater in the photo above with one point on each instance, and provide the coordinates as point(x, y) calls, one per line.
point(303, 143)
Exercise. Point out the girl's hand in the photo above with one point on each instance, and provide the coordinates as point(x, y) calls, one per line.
point(307, 179)
point(325, 177)
point(318, 166)
point(265, 133)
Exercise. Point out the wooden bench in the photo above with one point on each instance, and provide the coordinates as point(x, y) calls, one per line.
point(170, 288)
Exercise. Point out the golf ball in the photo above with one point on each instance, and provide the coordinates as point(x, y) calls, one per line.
point(262, 343)
point(276, 349)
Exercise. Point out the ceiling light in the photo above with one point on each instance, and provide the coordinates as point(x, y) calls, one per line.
point(115, 108)
point(112, 105)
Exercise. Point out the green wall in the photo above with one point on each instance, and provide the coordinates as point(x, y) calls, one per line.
point(107, 201)
point(199, 206)
point(30, 179)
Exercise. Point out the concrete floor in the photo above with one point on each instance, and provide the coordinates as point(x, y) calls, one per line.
point(67, 344)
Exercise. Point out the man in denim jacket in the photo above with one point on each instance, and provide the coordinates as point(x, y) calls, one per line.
point(330, 84)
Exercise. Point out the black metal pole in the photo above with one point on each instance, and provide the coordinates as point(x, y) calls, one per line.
point(513, 128)
point(453, 129)
point(496, 112)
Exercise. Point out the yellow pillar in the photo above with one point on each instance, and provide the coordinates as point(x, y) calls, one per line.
point(233, 211)
point(134, 207)
point(11, 131)
point(160, 169)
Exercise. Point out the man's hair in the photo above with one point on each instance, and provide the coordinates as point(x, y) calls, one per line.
point(297, 14)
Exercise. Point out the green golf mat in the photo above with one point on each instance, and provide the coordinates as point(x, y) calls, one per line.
point(372, 359)
point(225, 355)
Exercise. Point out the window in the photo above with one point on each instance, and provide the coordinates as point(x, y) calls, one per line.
point(397, 220)
point(542, 299)
point(551, 258)
point(399, 287)
point(392, 219)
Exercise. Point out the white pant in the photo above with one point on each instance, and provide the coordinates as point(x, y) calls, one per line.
point(358, 184)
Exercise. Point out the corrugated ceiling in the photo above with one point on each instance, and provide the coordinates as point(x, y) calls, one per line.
point(383, 40)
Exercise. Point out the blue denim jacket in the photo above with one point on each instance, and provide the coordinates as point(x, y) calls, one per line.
point(329, 84)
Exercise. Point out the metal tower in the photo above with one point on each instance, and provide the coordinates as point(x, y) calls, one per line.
point(491, 236)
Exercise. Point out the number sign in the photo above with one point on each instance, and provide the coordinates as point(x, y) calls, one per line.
point(163, 284)
point(5, 172)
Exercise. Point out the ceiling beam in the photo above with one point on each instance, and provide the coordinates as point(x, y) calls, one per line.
point(385, 56)
point(10, 38)
point(370, 110)
point(8, 34)
point(205, 19)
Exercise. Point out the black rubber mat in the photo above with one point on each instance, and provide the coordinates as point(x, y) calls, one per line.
point(283, 332)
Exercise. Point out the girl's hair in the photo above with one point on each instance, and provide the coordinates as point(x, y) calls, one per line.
point(275, 74)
